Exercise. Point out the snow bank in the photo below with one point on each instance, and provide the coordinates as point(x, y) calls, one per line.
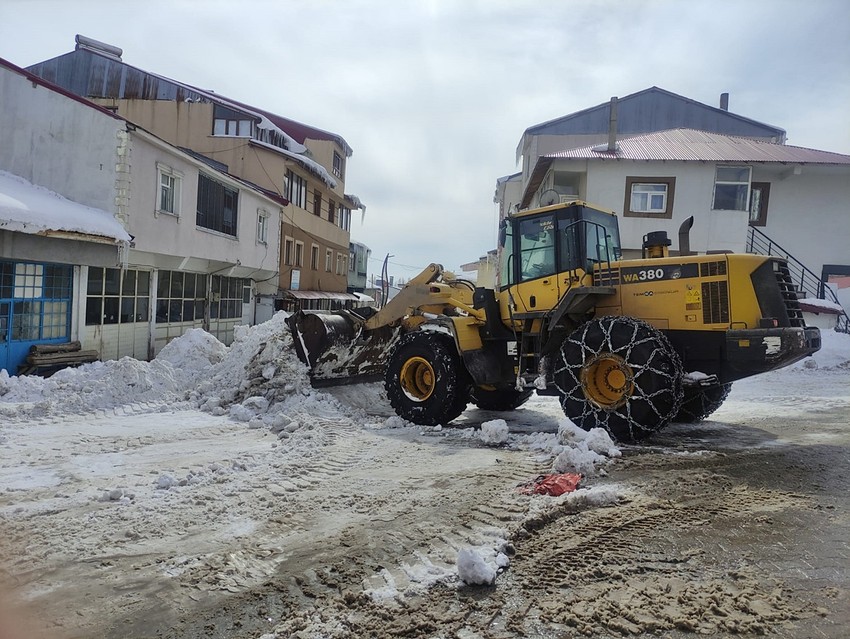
point(834, 354)
point(258, 380)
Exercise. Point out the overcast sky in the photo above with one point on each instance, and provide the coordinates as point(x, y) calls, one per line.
point(433, 96)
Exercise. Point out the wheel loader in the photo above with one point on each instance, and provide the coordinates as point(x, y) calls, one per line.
point(626, 345)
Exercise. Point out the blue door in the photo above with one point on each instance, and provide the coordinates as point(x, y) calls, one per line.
point(35, 308)
point(5, 324)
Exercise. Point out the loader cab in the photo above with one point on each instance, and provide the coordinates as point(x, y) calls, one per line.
point(544, 250)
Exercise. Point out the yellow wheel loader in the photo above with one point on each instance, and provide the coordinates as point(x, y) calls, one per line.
point(626, 345)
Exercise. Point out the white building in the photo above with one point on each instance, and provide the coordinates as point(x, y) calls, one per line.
point(163, 241)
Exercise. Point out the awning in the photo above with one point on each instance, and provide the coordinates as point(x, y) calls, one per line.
point(28, 208)
point(362, 297)
point(321, 295)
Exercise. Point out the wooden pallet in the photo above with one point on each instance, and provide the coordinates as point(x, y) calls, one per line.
point(46, 359)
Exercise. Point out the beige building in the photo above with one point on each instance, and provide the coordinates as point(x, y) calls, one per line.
point(301, 163)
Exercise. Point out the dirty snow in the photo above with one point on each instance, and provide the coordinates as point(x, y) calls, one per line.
point(179, 439)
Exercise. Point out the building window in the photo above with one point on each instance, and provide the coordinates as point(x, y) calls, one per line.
point(314, 257)
point(351, 261)
point(217, 206)
point(759, 195)
point(229, 122)
point(317, 203)
point(117, 297)
point(337, 165)
point(226, 297)
point(169, 187)
point(295, 189)
point(329, 258)
point(262, 226)
point(37, 301)
point(289, 251)
point(331, 211)
point(180, 297)
point(649, 197)
point(299, 254)
point(340, 264)
point(731, 188)
point(343, 218)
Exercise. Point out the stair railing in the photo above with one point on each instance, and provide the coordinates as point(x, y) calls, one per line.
point(806, 280)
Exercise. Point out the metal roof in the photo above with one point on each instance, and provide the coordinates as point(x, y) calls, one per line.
point(689, 145)
point(655, 109)
point(686, 145)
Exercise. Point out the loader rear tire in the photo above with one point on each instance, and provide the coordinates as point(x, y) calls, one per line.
point(620, 374)
point(425, 379)
point(700, 402)
point(500, 399)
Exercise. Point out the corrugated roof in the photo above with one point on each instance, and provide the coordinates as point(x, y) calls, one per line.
point(689, 145)
point(659, 105)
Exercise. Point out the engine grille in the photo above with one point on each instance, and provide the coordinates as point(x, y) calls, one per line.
point(715, 302)
point(708, 269)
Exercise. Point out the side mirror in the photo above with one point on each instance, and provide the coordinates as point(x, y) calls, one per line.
point(503, 232)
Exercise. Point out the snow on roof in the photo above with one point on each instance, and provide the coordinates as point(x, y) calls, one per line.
point(29, 208)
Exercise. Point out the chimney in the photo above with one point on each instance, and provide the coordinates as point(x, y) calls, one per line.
point(724, 101)
point(612, 126)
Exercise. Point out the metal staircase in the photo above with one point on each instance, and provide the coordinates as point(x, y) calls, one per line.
point(804, 279)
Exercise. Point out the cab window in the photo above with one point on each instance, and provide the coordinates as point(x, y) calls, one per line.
point(537, 248)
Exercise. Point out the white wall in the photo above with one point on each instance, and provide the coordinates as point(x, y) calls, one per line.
point(694, 191)
point(809, 214)
point(58, 143)
point(168, 235)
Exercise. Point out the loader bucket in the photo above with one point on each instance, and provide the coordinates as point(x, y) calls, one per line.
point(338, 348)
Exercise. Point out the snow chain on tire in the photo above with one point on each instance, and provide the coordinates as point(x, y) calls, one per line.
point(620, 374)
point(700, 402)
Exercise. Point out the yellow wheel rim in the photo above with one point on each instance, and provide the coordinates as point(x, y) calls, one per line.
point(607, 380)
point(417, 378)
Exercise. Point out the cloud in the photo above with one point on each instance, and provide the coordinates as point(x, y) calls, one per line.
point(433, 96)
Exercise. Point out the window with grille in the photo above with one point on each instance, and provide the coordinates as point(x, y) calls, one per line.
point(116, 298)
point(180, 296)
point(226, 297)
point(217, 206)
point(39, 298)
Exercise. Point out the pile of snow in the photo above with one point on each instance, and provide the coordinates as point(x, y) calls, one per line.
point(834, 354)
point(479, 566)
point(494, 433)
point(258, 379)
point(574, 450)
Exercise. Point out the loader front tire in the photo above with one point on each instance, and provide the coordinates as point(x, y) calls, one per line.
point(425, 379)
point(620, 374)
point(700, 402)
point(500, 399)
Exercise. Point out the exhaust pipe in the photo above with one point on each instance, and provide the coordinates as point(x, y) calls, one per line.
point(685, 237)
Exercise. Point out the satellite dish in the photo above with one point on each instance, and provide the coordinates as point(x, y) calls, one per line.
point(549, 197)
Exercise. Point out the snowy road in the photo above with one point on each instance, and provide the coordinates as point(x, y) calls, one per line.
point(321, 517)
